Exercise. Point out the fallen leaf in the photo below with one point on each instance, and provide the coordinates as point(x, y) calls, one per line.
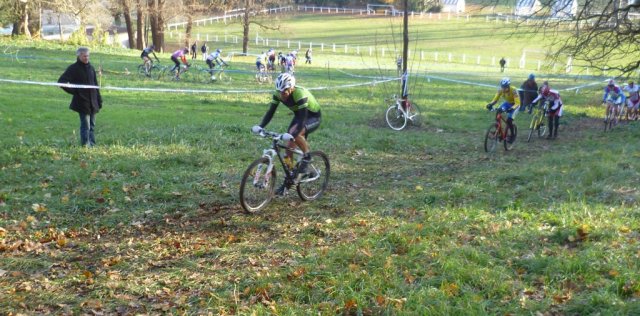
point(39, 207)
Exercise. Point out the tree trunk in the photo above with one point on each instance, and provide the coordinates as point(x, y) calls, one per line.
point(187, 31)
point(127, 20)
point(140, 26)
point(21, 27)
point(156, 19)
point(245, 27)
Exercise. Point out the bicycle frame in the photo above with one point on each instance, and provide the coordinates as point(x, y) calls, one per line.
point(275, 151)
point(611, 114)
point(502, 132)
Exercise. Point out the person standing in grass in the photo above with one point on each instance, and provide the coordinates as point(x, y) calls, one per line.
point(86, 101)
point(528, 92)
point(203, 50)
point(194, 50)
point(307, 56)
point(503, 63)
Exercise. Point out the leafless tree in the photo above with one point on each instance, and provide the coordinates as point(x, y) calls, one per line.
point(253, 9)
point(601, 34)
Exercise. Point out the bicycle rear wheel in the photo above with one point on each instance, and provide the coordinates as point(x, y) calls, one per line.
point(491, 138)
point(315, 182)
point(509, 145)
point(205, 76)
point(256, 187)
point(395, 118)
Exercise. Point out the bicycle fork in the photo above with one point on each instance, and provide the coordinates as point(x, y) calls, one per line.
point(262, 177)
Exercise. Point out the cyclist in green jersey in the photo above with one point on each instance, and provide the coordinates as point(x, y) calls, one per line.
point(306, 115)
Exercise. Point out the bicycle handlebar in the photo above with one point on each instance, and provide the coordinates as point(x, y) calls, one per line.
point(276, 136)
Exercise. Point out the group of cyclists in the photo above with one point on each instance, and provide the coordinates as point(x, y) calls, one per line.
point(180, 57)
point(264, 62)
point(613, 96)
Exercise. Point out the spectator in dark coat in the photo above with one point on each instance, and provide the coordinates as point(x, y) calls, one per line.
point(503, 63)
point(194, 50)
point(86, 101)
point(528, 92)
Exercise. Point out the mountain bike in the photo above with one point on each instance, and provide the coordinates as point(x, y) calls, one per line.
point(499, 132)
point(610, 117)
point(217, 74)
point(400, 112)
point(148, 69)
point(262, 76)
point(169, 72)
point(258, 181)
point(537, 120)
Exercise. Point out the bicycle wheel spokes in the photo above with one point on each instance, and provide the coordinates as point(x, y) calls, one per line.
point(223, 77)
point(414, 115)
point(491, 138)
point(395, 118)
point(315, 182)
point(256, 187)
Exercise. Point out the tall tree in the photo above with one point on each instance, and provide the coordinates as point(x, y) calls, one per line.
point(157, 22)
point(140, 16)
point(126, 12)
point(252, 12)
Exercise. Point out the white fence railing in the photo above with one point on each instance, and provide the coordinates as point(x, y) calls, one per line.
point(228, 16)
point(523, 62)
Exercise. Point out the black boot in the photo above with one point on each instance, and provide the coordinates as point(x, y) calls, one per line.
point(550, 135)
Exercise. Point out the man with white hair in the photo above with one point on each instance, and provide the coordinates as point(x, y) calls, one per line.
point(86, 100)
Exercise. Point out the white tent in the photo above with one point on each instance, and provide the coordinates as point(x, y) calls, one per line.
point(453, 6)
point(564, 8)
point(527, 7)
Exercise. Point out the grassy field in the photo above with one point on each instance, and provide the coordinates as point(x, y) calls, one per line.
point(420, 221)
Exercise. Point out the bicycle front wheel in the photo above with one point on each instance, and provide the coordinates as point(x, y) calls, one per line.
point(395, 118)
point(313, 184)
point(223, 77)
point(537, 127)
point(414, 115)
point(256, 187)
point(491, 138)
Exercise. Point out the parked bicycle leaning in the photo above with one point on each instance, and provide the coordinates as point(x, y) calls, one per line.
point(306, 118)
point(510, 105)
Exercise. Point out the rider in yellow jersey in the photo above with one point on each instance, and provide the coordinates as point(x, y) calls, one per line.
point(510, 105)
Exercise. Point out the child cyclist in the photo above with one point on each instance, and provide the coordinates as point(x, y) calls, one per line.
point(633, 99)
point(510, 105)
point(554, 112)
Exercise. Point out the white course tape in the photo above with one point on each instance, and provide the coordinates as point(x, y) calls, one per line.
point(69, 85)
